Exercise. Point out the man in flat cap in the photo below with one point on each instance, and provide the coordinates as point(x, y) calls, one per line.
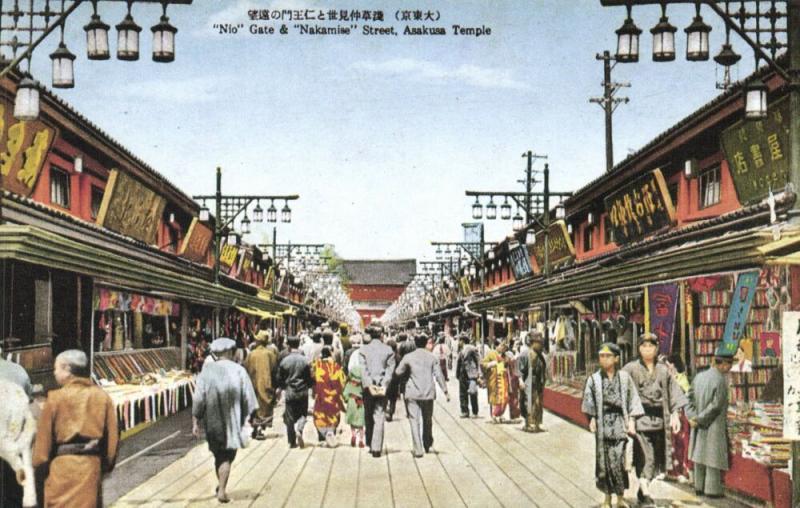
point(533, 371)
point(611, 403)
point(708, 412)
point(223, 399)
point(662, 400)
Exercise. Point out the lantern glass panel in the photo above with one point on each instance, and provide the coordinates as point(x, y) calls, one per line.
point(756, 103)
point(63, 72)
point(26, 103)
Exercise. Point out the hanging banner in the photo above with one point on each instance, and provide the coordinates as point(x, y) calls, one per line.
point(791, 374)
point(560, 246)
point(112, 299)
point(130, 208)
point(640, 209)
point(466, 289)
point(662, 304)
point(520, 261)
point(195, 244)
point(23, 149)
point(757, 152)
point(737, 314)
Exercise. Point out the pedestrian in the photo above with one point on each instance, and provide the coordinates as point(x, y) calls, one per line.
point(379, 363)
point(442, 353)
point(293, 376)
point(76, 437)
point(393, 392)
point(405, 345)
point(522, 359)
point(497, 382)
point(260, 364)
point(329, 383)
point(681, 465)
point(328, 340)
point(468, 373)
point(708, 412)
point(351, 359)
point(354, 398)
point(611, 403)
point(11, 492)
point(514, 383)
point(533, 372)
point(224, 399)
point(662, 400)
point(424, 370)
point(313, 348)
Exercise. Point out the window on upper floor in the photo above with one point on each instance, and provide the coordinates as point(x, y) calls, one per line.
point(709, 181)
point(97, 200)
point(608, 230)
point(588, 237)
point(59, 187)
point(673, 193)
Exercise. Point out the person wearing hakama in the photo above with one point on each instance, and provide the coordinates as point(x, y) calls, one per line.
point(224, 399)
point(77, 436)
point(611, 403)
point(662, 400)
point(708, 414)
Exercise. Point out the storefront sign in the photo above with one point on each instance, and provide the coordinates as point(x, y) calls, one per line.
point(560, 245)
point(130, 208)
point(737, 315)
point(195, 244)
point(758, 153)
point(23, 149)
point(662, 305)
point(520, 261)
point(227, 256)
point(466, 289)
point(111, 299)
point(640, 209)
point(791, 375)
point(269, 280)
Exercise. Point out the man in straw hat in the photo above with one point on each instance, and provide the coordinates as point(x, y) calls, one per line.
point(611, 404)
point(259, 365)
point(708, 411)
point(223, 399)
point(662, 400)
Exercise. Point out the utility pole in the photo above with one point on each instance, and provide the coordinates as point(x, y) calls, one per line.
point(529, 181)
point(609, 103)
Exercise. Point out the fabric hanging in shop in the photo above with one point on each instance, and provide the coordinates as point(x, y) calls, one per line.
point(111, 299)
point(662, 303)
point(737, 315)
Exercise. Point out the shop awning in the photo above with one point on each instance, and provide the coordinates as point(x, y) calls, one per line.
point(36, 246)
point(731, 251)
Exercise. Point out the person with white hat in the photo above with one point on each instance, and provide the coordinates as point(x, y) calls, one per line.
point(224, 400)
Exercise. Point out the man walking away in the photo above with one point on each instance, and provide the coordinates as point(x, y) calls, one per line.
point(294, 378)
point(468, 372)
point(77, 436)
point(378, 363)
point(423, 368)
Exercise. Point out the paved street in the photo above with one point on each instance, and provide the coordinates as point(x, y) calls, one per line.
point(475, 463)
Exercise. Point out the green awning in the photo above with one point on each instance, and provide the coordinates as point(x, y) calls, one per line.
point(734, 251)
point(36, 246)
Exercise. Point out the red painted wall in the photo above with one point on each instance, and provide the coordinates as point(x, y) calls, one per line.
point(365, 293)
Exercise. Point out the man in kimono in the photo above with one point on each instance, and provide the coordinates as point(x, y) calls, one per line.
point(661, 398)
point(708, 411)
point(294, 377)
point(611, 404)
point(76, 436)
point(533, 370)
point(468, 372)
point(224, 399)
point(378, 367)
point(259, 365)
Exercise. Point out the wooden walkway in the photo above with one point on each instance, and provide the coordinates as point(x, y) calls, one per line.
point(475, 464)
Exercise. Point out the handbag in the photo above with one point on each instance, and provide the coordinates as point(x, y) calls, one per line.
point(376, 391)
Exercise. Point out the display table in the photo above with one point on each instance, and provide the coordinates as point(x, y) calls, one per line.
point(142, 404)
point(746, 475)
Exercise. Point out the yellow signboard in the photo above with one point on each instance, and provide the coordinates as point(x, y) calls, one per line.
point(23, 149)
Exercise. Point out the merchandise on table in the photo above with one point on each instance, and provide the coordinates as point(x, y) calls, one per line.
point(756, 433)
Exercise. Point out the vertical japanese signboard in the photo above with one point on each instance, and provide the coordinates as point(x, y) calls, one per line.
point(662, 306)
point(640, 209)
point(195, 244)
point(791, 374)
point(757, 152)
point(520, 261)
point(559, 243)
point(737, 314)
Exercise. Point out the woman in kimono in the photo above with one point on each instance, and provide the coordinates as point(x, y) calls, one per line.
point(512, 373)
point(354, 399)
point(328, 386)
point(611, 403)
point(495, 373)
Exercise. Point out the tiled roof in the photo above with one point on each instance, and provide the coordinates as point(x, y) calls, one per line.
point(380, 272)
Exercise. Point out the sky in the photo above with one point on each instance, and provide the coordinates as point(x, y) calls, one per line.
point(381, 135)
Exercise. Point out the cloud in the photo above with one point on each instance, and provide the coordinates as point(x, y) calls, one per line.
point(179, 91)
point(418, 70)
